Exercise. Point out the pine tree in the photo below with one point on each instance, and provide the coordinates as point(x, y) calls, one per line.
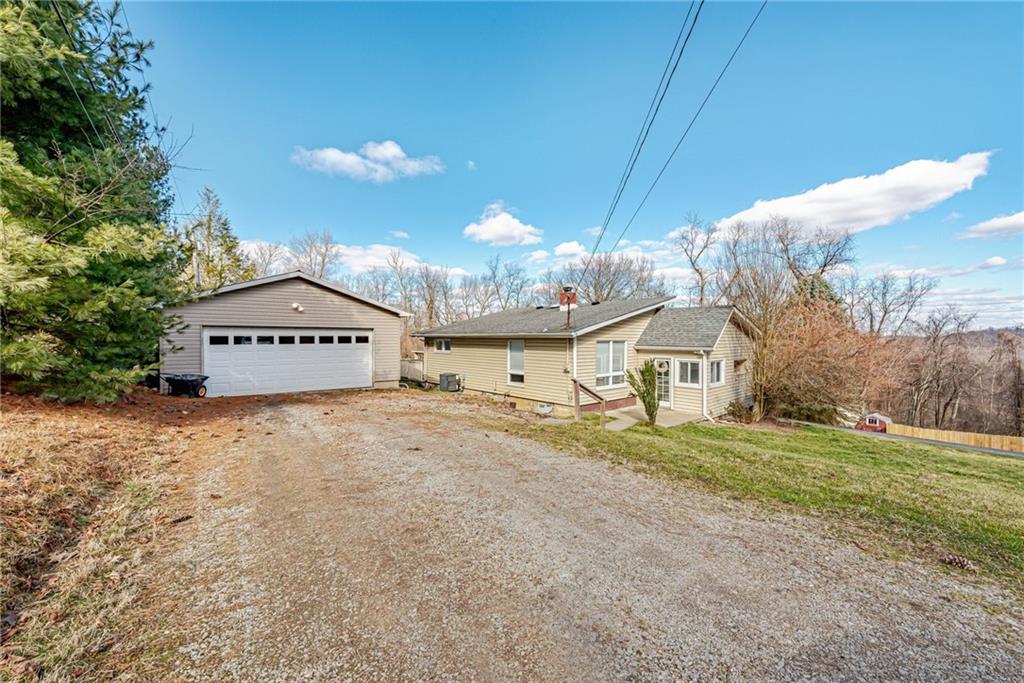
point(85, 266)
point(212, 248)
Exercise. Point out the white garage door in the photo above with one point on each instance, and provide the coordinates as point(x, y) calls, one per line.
point(256, 360)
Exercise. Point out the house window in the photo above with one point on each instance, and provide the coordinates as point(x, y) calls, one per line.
point(717, 372)
point(345, 339)
point(872, 421)
point(307, 340)
point(516, 361)
point(286, 339)
point(443, 345)
point(265, 339)
point(611, 364)
point(326, 339)
point(219, 340)
point(243, 339)
point(362, 340)
point(688, 373)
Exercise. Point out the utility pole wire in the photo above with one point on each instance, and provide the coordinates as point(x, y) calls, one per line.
point(645, 128)
point(688, 127)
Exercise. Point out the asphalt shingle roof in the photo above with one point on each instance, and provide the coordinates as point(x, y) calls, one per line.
point(549, 322)
point(686, 328)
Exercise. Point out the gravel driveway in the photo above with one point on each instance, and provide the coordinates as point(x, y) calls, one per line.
point(384, 535)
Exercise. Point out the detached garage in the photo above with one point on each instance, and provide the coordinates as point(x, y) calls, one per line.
point(290, 332)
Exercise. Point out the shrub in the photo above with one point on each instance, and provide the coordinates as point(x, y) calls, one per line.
point(644, 382)
point(739, 411)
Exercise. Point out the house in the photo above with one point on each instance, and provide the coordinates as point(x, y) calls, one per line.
point(288, 332)
point(873, 422)
point(530, 356)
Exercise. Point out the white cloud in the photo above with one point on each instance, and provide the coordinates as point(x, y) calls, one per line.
point(378, 162)
point(1000, 226)
point(537, 256)
point(499, 228)
point(865, 202)
point(953, 216)
point(991, 263)
point(570, 250)
point(992, 306)
point(399, 234)
point(470, 165)
point(676, 275)
point(594, 231)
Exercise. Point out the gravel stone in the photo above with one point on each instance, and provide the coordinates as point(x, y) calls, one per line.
point(385, 536)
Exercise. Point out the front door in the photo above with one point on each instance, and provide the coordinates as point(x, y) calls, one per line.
point(664, 370)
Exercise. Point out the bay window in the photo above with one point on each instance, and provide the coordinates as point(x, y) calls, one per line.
point(611, 364)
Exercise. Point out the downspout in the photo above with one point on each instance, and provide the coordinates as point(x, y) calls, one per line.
point(704, 386)
point(573, 366)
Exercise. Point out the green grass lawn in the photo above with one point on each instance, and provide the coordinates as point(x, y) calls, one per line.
point(930, 499)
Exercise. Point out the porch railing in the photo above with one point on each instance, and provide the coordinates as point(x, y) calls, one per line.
point(577, 387)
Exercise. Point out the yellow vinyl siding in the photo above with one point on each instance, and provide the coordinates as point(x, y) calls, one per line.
point(270, 305)
point(629, 331)
point(733, 345)
point(684, 399)
point(483, 364)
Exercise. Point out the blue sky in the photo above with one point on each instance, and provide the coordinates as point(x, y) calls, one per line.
point(502, 128)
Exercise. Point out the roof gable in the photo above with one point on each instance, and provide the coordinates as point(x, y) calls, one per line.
point(297, 274)
point(695, 328)
point(547, 321)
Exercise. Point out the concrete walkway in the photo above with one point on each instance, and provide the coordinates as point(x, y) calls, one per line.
point(627, 417)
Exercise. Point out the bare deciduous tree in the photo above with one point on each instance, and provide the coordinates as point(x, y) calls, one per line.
point(697, 241)
point(614, 276)
point(269, 258)
point(509, 282)
point(314, 253)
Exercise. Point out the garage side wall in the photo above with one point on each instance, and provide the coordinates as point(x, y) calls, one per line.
point(270, 305)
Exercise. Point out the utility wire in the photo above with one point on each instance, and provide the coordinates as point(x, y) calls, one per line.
point(92, 83)
point(690, 125)
point(645, 128)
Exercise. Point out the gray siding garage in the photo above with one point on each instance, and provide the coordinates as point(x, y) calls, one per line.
point(290, 332)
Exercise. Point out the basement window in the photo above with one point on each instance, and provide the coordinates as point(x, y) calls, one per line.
point(219, 340)
point(516, 361)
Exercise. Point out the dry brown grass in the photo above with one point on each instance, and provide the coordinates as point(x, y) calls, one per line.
point(81, 496)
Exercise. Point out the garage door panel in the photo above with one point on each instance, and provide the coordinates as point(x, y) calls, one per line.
point(249, 368)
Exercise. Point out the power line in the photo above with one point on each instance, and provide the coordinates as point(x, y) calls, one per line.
point(690, 125)
point(92, 84)
point(645, 128)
